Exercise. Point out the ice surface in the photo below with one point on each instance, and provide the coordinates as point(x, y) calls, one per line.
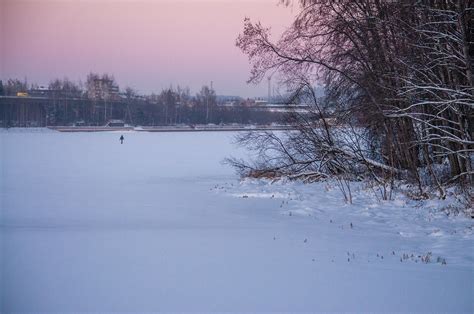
point(159, 224)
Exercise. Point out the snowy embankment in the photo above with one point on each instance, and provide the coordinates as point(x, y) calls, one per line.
point(416, 231)
point(159, 224)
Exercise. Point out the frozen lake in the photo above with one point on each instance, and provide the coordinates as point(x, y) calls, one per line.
point(159, 224)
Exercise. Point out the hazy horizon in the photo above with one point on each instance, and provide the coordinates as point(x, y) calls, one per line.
point(148, 45)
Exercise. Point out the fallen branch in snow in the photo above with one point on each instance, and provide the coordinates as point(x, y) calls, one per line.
point(309, 177)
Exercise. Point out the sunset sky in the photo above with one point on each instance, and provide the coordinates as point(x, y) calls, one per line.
point(146, 44)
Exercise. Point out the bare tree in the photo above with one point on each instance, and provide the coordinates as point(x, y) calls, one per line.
point(398, 78)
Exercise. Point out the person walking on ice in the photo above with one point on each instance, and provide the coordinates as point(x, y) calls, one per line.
point(121, 139)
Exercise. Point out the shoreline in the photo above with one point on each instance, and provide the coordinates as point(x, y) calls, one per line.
point(198, 128)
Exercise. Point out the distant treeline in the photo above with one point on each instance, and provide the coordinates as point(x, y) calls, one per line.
point(66, 103)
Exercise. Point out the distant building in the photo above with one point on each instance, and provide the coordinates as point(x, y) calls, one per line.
point(230, 103)
point(40, 91)
point(261, 102)
point(115, 123)
point(103, 89)
point(79, 123)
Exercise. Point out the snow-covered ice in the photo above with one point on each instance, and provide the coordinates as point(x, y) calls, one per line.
point(160, 224)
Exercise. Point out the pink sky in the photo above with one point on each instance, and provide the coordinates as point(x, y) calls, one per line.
point(146, 44)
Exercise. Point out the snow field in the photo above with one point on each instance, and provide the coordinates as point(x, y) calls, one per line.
point(159, 224)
